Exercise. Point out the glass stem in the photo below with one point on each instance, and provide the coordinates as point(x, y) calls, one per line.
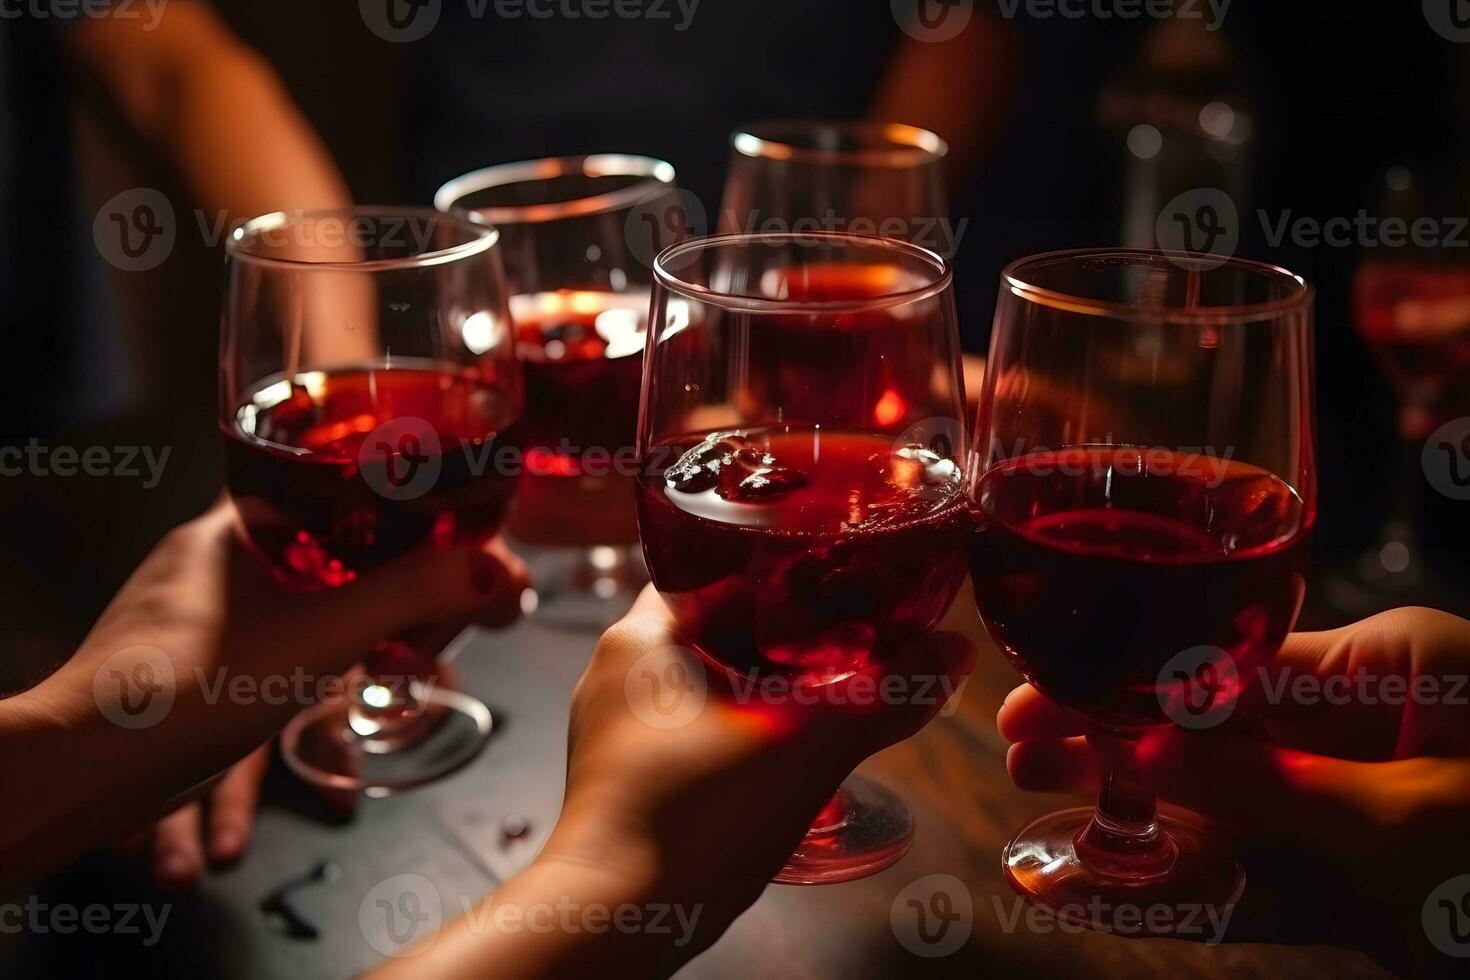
point(1123, 839)
point(383, 704)
point(1403, 519)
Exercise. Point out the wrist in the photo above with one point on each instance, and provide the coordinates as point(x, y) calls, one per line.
point(694, 897)
point(567, 916)
point(595, 833)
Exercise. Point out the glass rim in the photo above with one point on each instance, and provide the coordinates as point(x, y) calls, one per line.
point(772, 139)
point(482, 238)
point(666, 278)
point(1014, 279)
point(656, 175)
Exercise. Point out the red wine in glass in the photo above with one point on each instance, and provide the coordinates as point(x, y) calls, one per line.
point(325, 467)
point(1413, 313)
point(1144, 492)
point(582, 355)
point(805, 361)
point(1415, 317)
point(1094, 566)
point(801, 552)
point(801, 492)
point(370, 399)
point(580, 234)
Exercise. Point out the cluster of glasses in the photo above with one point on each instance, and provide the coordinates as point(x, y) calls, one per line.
point(778, 418)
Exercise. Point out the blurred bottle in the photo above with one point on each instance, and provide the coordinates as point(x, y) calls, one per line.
point(1185, 130)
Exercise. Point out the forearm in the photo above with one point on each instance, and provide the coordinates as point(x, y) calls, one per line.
point(150, 707)
point(602, 899)
point(212, 108)
point(559, 919)
point(76, 777)
point(961, 89)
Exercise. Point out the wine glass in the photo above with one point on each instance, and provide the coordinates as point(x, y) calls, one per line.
point(802, 525)
point(1411, 307)
point(1144, 495)
point(867, 178)
point(578, 235)
point(368, 387)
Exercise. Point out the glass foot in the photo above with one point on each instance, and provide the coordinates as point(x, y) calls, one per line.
point(329, 745)
point(865, 829)
point(1192, 897)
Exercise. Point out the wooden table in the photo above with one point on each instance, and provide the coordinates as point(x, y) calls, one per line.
point(952, 775)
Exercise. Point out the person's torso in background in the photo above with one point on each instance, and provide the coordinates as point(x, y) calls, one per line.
point(67, 364)
point(489, 89)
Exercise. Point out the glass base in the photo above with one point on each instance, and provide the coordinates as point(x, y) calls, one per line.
point(585, 589)
point(865, 829)
point(1191, 897)
point(330, 746)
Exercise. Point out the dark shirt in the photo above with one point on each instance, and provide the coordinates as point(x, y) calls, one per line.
point(492, 90)
point(62, 352)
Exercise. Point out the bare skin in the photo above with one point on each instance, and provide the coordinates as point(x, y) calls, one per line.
point(1352, 806)
point(206, 609)
point(698, 816)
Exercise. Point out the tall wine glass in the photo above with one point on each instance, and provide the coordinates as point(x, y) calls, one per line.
point(866, 178)
point(1144, 492)
point(579, 235)
point(803, 525)
point(368, 382)
point(1411, 307)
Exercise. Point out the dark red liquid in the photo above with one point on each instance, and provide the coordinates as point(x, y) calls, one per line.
point(335, 472)
point(1415, 318)
point(582, 354)
point(852, 364)
point(1093, 567)
point(801, 553)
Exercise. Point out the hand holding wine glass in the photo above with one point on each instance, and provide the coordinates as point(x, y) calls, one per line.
point(370, 395)
point(199, 609)
point(1144, 495)
point(1372, 788)
point(800, 499)
point(644, 802)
